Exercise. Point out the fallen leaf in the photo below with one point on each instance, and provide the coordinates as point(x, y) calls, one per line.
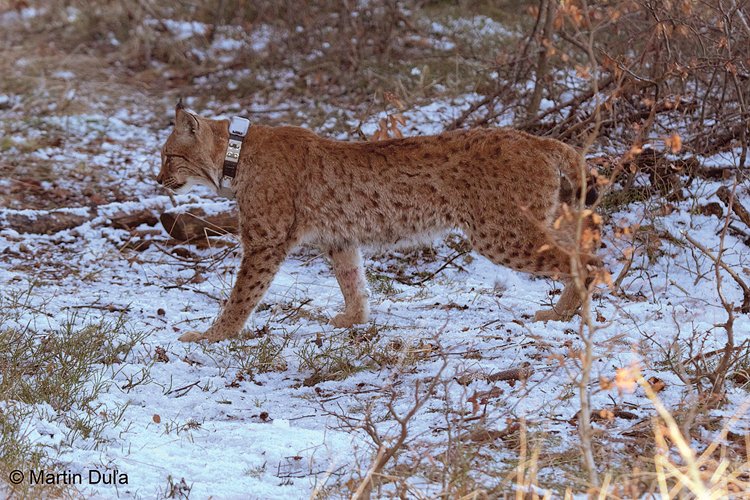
point(161, 355)
point(605, 414)
point(657, 384)
point(625, 378)
point(673, 142)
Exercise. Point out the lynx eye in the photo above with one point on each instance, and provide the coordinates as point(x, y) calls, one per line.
point(170, 156)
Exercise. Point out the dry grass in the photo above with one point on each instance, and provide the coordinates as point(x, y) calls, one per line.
point(55, 376)
point(337, 67)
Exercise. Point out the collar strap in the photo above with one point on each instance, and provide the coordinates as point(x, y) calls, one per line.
point(238, 128)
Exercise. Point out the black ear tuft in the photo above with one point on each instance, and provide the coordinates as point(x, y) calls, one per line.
point(180, 105)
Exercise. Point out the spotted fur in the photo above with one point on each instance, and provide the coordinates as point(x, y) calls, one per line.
point(502, 187)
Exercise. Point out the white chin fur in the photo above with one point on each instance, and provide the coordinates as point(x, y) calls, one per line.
point(190, 182)
point(185, 187)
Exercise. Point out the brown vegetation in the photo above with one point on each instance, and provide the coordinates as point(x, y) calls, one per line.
point(648, 89)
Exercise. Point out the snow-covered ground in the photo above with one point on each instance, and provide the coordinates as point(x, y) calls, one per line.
point(252, 419)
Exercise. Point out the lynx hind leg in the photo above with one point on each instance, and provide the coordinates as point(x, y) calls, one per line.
point(347, 266)
point(530, 249)
point(566, 306)
point(570, 299)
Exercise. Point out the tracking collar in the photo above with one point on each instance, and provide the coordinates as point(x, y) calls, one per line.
point(238, 128)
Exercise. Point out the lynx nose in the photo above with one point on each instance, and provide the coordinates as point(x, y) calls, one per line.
point(160, 179)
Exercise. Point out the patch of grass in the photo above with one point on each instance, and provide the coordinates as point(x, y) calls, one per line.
point(177, 427)
point(58, 367)
point(6, 143)
point(17, 452)
point(251, 353)
point(333, 358)
point(257, 471)
point(740, 374)
point(56, 376)
point(381, 283)
point(399, 352)
point(176, 489)
point(259, 355)
point(338, 356)
point(617, 199)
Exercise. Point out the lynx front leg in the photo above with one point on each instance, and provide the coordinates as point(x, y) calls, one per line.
point(347, 266)
point(258, 267)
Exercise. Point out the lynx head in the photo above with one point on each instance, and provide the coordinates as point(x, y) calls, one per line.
point(193, 153)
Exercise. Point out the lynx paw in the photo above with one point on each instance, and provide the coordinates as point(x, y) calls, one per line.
point(348, 320)
point(551, 315)
point(191, 336)
point(211, 335)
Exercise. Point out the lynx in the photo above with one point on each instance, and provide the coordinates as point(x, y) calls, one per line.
point(505, 189)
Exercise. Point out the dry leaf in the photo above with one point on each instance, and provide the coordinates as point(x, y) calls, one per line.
point(160, 354)
point(583, 72)
point(156, 418)
point(626, 378)
point(605, 414)
point(657, 384)
point(483, 397)
point(673, 142)
point(391, 98)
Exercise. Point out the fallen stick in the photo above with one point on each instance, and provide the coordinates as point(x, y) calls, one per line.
point(521, 373)
point(131, 221)
point(197, 225)
point(45, 222)
point(725, 195)
point(54, 221)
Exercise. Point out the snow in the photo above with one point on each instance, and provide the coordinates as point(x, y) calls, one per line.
point(182, 29)
point(428, 119)
point(64, 75)
point(478, 26)
point(233, 434)
point(475, 28)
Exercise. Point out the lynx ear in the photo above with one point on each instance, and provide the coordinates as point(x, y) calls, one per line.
point(184, 122)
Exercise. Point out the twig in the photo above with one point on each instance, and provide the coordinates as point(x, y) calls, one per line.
point(550, 8)
point(182, 287)
point(573, 101)
point(388, 451)
point(182, 390)
point(732, 203)
point(432, 275)
point(705, 355)
point(108, 307)
point(294, 310)
point(617, 283)
point(745, 290)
